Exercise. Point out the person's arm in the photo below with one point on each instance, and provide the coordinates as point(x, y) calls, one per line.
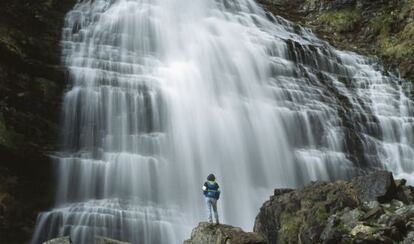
point(204, 188)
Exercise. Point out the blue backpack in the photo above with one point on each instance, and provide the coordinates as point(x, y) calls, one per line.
point(211, 189)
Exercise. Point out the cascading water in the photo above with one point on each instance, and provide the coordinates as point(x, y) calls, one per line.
point(164, 92)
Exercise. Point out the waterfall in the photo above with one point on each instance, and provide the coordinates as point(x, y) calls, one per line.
point(164, 92)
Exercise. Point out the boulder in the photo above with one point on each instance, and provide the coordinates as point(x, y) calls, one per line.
point(378, 186)
point(206, 233)
point(373, 213)
point(350, 218)
point(362, 229)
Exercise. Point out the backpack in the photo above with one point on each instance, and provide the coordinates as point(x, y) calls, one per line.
point(211, 189)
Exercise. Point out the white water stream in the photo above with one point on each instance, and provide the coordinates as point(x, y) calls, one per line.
point(164, 92)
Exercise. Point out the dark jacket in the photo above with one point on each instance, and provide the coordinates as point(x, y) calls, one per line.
point(211, 189)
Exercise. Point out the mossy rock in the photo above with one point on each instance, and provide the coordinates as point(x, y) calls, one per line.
point(340, 20)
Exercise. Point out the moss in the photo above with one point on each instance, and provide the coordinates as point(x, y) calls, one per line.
point(407, 9)
point(341, 20)
point(382, 23)
point(321, 214)
point(289, 228)
point(408, 32)
point(399, 45)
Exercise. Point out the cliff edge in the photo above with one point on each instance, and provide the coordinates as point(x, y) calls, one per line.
point(206, 233)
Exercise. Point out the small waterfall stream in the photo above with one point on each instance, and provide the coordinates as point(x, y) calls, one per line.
point(163, 92)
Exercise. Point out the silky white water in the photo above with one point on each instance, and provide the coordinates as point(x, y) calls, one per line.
point(164, 92)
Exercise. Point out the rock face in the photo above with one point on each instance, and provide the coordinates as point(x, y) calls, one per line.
point(368, 209)
point(380, 27)
point(31, 86)
point(206, 233)
point(378, 186)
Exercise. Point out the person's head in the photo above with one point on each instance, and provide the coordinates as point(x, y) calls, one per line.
point(211, 177)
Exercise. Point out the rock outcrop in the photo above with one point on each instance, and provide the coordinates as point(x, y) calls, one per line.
point(60, 240)
point(384, 28)
point(367, 209)
point(206, 233)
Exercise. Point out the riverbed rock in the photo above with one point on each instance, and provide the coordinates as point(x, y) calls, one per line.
point(362, 210)
point(206, 233)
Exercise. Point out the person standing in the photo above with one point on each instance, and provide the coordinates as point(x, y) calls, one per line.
point(211, 192)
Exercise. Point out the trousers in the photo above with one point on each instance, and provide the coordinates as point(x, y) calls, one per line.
point(212, 208)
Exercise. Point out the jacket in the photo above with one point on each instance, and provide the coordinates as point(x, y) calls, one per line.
point(211, 189)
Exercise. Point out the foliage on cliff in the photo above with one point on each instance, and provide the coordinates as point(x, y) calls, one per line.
point(380, 27)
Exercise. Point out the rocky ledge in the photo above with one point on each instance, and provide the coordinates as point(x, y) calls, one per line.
point(206, 233)
point(367, 209)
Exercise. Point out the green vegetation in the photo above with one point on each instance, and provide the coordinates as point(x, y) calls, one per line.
point(289, 230)
point(341, 20)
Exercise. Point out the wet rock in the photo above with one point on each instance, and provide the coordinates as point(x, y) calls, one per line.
point(410, 225)
point(106, 240)
point(397, 204)
point(331, 234)
point(351, 218)
point(371, 204)
point(409, 239)
point(206, 233)
point(394, 233)
point(398, 222)
point(362, 229)
point(60, 240)
point(378, 186)
point(400, 183)
point(373, 213)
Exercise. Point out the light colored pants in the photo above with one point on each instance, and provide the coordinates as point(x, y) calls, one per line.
point(212, 206)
